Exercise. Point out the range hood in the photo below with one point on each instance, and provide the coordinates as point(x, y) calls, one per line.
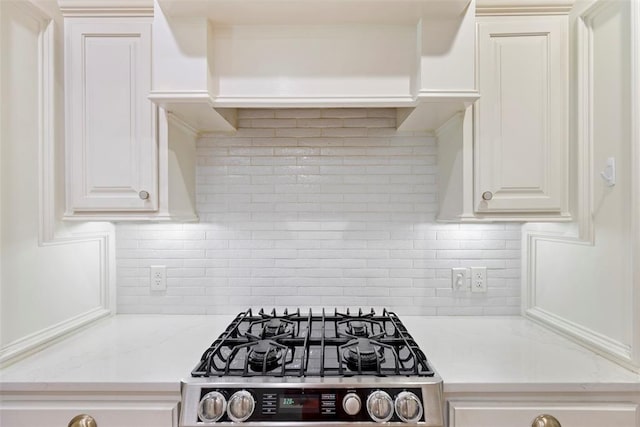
point(211, 57)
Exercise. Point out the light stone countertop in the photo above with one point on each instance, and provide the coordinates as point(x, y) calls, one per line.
point(153, 352)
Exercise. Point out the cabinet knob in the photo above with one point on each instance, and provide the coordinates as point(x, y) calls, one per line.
point(144, 195)
point(487, 195)
point(83, 420)
point(545, 420)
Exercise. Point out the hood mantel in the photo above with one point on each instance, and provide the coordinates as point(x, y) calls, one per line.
point(215, 56)
point(312, 12)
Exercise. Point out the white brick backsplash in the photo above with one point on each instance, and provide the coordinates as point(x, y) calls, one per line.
point(317, 208)
point(298, 113)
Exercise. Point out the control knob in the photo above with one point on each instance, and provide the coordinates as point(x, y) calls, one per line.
point(212, 407)
point(351, 404)
point(241, 406)
point(380, 406)
point(408, 407)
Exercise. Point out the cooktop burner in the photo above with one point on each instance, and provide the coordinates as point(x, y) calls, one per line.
point(358, 328)
point(319, 345)
point(362, 327)
point(265, 355)
point(274, 327)
point(363, 354)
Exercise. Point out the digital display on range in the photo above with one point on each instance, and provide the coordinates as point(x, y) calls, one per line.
point(296, 404)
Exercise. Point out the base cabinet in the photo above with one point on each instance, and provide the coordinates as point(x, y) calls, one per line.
point(524, 414)
point(58, 409)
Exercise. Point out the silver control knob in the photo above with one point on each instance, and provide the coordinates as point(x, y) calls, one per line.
point(212, 406)
point(408, 407)
point(351, 404)
point(380, 406)
point(241, 406)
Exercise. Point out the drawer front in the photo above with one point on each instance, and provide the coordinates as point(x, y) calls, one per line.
point(517, 414)
point(58, 414)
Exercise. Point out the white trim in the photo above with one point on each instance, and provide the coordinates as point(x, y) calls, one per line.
point(310, 101)
point(635, 178)
point(584, 130)
point(161, 97)
point(129, 217)
point(522, 11)
point(46, 119)
point(165, 97)
point(452, 95)
point(523, 7)
point(94, 12)
point(105, 8)
point(598, 343)
point(510, 217)
point(401, 101)
point(32, 343)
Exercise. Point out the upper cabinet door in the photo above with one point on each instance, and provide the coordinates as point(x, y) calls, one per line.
point(521, 141)
point(111, 149)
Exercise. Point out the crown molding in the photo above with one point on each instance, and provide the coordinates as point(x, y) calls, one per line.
point(523, 7)
point(106, 8)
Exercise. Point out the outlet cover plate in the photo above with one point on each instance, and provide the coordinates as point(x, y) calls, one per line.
point(158, 278)
point(478, 279)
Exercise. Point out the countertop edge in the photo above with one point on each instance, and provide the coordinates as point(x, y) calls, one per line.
point(561, 387)
point(173, 388)
point(159, 388)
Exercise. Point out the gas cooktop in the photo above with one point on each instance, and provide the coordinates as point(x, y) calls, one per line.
point(338, 344)
point(279, 369)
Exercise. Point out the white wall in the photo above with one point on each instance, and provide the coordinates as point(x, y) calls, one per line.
point(583, 284)
point(53, 278)
point(317, 208)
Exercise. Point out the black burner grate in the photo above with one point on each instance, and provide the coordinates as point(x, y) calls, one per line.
point(308, 345)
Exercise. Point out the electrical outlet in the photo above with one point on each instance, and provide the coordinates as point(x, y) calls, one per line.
point(478, 279)
point(459, 279)
point(158, 279)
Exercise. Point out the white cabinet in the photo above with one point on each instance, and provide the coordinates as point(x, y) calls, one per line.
point(522, 414)
point(111, 145)
point(521, 117)
point(126, 159)
point(125, 409)
point(506, 157)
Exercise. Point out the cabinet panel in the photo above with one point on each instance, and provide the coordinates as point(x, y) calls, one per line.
point(509, 414)
point(110, 132)
point(106, 414)
point(521, 117)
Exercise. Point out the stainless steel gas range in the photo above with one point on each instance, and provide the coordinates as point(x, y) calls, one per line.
point(293, 368)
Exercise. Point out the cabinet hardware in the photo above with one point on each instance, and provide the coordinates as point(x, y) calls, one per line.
point(144, 195)
point(545, 420)
point(83, 420)
point(487, 195)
